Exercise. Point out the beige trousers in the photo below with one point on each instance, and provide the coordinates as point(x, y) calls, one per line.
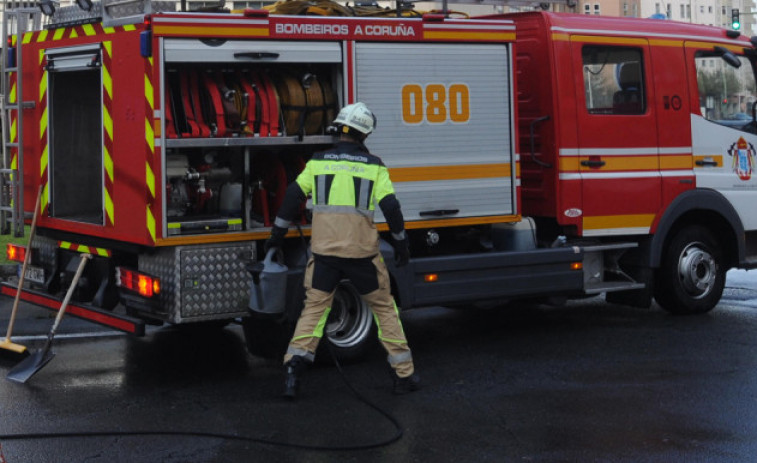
point(313, 319)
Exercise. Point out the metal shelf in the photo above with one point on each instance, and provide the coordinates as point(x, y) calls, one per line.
point(247, 141)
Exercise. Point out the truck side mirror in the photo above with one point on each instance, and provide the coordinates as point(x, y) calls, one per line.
point(728, 56)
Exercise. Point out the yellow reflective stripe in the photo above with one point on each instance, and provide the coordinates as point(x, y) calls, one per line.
point(42, 35)
point(108, 161)
point(43, 123)
point(43, 161)
point(108, 82)
point(88, 29)
point(73, 34)
point(150, 178)
point(149, 96)
point(109, 206)
point(12, 96)
point(130, 27)
point(318, 331)
point(107, 122)
point(81, 248)
point(150, 223)
point(381, 332)
point(149, 135)
point(14, 131)
point(58, 34)
point(43, 86)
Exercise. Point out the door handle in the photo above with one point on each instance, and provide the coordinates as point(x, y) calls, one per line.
point(439, 212)
point(256, 55)
point(592, 163)
point(706, 163)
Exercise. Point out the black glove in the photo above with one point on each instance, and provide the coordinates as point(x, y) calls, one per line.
point(401, 252)
point(276, 240)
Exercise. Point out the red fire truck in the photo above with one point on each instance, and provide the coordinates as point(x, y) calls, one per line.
point(534, 155)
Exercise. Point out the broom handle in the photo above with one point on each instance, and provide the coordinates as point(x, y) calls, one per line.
point(27, 256)
point(84, 258)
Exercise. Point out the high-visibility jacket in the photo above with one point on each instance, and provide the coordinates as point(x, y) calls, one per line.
point(346, 182)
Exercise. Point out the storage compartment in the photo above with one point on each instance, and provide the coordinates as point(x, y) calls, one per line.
point(75, 134)
point(237, 133)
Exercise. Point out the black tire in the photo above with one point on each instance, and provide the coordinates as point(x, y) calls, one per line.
point(691, 276)
point(350, 331)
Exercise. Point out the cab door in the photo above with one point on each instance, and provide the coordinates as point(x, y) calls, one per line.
point(618, 149)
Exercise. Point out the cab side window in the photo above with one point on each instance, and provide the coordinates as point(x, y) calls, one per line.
point(613, 80)
point(727, 94)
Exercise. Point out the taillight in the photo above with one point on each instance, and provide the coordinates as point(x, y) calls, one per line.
point(15, 252)
point(144, 285)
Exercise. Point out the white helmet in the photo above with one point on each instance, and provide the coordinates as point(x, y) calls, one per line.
point(356, 116)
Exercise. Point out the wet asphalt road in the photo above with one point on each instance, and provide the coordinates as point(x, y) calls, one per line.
point(589, 382)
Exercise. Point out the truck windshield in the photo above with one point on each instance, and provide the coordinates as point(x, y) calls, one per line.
point(726, 94)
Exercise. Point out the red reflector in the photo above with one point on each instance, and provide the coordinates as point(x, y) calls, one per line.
point(15, 252)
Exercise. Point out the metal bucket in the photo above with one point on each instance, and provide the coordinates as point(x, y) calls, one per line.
point(269, 283)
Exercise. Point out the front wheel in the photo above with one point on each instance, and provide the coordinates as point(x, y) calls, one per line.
point(691, 276)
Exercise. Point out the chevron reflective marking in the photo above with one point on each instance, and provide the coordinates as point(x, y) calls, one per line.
point(108, 135)
point(150, 153)
point(103, 252)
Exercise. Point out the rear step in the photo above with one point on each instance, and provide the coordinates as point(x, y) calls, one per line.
point(119, 322)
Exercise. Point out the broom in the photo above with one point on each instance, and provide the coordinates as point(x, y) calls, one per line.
point(7, 344)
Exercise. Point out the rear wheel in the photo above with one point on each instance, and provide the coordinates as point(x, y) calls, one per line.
point(349, 330)
point(691, 277)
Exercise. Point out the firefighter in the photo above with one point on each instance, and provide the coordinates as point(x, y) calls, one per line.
point(346, 182)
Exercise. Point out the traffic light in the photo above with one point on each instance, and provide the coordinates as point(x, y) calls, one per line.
point(735, 23)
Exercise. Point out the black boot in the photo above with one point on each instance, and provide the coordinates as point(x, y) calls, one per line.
point(294, 369)
point(405, 385)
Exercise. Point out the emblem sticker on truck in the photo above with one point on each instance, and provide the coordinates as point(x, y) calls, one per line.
point(742, 154)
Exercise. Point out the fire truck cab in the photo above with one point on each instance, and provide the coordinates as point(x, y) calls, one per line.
point(642, 130)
